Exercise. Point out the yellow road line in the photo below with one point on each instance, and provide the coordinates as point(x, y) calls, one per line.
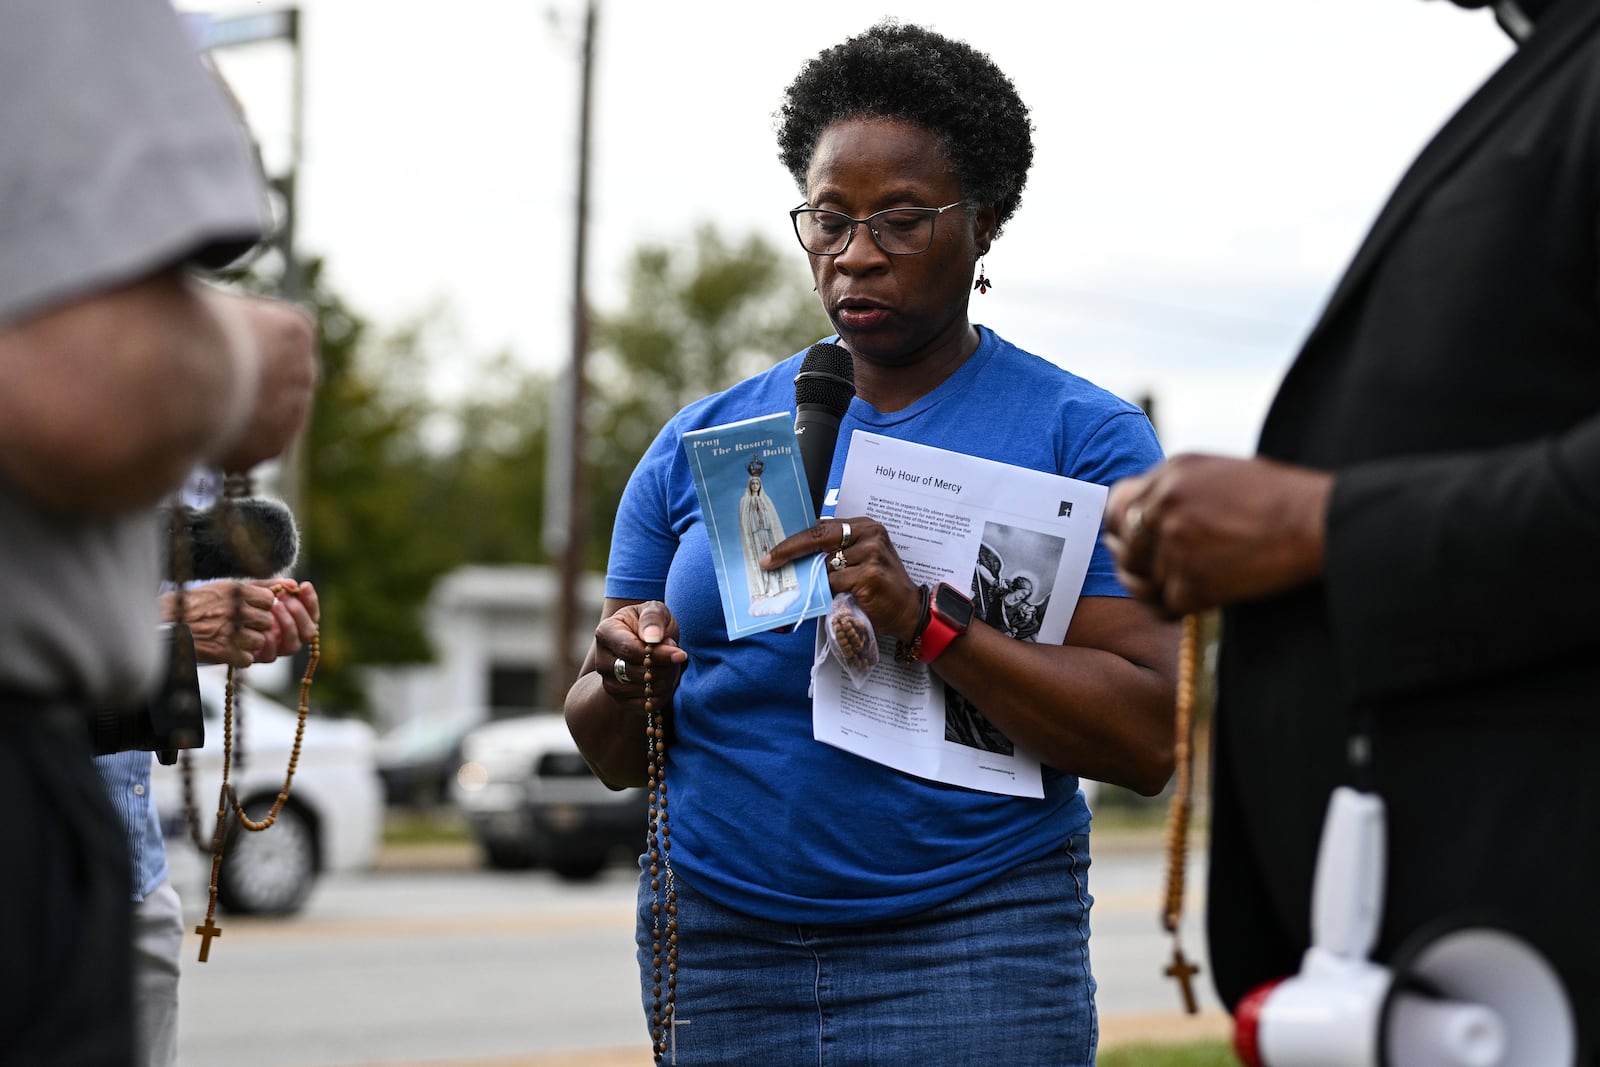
point(243, 928)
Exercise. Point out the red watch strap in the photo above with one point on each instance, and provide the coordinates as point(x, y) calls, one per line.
point(936, 638)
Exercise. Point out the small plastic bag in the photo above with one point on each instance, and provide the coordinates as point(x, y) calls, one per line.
point(851, 638)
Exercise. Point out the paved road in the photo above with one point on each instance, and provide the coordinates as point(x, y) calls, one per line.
point(435, 963)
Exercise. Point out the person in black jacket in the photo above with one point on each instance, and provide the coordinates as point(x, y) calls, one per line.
point(1411, 559)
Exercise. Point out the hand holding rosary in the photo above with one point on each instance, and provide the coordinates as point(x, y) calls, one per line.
point(659, 847)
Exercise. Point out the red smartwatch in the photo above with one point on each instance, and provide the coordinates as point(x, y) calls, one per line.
point(949, 615)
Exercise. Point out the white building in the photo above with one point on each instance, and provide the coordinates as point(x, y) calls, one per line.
point(493, 633)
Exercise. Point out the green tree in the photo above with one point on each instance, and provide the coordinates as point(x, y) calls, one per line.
point(363, 465)
point(486, 489)
point(697, 319)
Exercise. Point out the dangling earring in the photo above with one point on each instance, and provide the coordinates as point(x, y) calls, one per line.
point(983, 284)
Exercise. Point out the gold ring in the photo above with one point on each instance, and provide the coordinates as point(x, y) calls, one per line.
point(838, 561)
point(844, 535)
point(619, 671)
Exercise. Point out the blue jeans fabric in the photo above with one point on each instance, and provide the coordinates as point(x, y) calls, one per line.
point(1000, 975)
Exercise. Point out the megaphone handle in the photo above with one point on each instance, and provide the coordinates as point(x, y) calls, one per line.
point(1347, 888)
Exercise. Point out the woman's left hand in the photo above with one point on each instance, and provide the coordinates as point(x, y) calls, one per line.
point(862, 561)
point(1100, 707)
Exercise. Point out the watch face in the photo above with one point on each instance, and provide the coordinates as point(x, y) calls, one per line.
point(951, 604)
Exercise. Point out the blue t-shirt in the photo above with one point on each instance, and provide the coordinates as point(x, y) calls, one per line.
point(769, 821)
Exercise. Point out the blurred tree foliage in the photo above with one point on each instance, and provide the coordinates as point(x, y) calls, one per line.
point(400, 486)
point(364, 472)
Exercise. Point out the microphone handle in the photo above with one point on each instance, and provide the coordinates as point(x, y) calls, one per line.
point(818, 431)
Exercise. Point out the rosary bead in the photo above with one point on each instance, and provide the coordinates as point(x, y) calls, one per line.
point(658, 846)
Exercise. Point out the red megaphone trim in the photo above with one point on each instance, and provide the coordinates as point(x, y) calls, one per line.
point(1247, 1023)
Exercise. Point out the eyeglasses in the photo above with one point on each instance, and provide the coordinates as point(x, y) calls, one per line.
point(899, 231)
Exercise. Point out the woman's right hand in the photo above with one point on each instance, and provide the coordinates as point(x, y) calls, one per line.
point(605, 714)
point(621, 642)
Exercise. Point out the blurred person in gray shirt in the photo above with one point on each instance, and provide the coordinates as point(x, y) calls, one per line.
point(124, 168)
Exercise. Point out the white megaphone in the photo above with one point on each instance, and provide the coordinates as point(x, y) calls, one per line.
point(1470, 997)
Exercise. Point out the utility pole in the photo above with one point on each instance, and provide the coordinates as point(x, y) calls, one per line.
point(218, 33)
point(565, 661)
point(248, 29)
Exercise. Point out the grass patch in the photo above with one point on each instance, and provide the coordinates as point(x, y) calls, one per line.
point(404, 826)
point(1119, 809)
point(1128, 820)
point(1198, 1054)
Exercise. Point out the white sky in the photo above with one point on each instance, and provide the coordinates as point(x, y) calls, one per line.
point(1203, 168)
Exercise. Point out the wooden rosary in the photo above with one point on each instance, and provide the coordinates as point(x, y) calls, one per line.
point(227, 798)
point(1178, 812)
point(659, 846)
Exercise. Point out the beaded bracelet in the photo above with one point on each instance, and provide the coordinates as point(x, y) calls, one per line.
point(907, 652)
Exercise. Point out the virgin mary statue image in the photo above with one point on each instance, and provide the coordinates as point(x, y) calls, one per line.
point(759, 529)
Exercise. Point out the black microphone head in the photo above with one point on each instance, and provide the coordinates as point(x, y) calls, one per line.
point(249, 537)
point(827, 379)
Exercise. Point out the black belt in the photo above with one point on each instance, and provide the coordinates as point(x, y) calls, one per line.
point(45, 714)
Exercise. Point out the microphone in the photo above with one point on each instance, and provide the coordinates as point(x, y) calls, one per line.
point(822, 393)
point(245, 537)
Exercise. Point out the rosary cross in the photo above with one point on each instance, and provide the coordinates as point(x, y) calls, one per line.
point(1184, 971)
point(207, 932)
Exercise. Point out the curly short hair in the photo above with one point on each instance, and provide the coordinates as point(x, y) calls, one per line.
point(912, 74)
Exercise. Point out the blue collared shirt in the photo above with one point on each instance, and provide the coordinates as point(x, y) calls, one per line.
point(127, 779)
point(127, 774)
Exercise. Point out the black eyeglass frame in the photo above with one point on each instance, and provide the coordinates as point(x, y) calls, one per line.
point(933, 214)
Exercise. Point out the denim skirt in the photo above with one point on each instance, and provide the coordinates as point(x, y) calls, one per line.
point(998, 976)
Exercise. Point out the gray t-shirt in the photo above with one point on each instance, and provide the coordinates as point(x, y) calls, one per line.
point(122, 156)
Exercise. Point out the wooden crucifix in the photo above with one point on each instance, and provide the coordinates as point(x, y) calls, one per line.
point(1184, 971)
point(207, 932)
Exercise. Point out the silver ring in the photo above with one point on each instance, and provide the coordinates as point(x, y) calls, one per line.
point(1133, 521)
point(838, 562)
point(844, 535)
point(619, 671)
